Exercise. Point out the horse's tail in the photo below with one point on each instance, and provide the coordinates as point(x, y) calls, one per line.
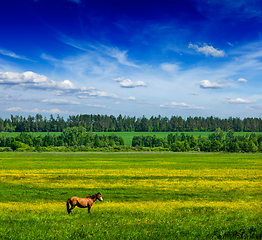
point(67, 205)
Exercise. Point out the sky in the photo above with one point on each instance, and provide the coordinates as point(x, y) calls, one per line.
point(134, 58)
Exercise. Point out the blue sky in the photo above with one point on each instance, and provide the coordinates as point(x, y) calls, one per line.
point(135, 58)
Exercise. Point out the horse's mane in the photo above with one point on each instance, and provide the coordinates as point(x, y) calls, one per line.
point(92, 196)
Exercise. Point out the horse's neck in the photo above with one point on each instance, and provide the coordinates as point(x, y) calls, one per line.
point(92, 199)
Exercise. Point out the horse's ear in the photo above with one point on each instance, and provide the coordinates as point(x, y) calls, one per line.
point(98, 193)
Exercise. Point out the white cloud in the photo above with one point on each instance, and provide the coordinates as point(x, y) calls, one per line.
point(102, 94)
point(55, 111)
point(18, 109)
point(52, 111)
point(118, 79)
point(59, 101)
point(96, 106)
point(180, 106)
point(212, 85)
point(207, 50)
point(242, 80)
point(238, 101)
point(131, 98)
point(31, 80)
point(14, 109)
point(127, 83)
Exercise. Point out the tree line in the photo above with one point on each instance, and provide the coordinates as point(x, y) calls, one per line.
point(77, 139)
point(215, 142)
point(105, 123)
point(71, 139)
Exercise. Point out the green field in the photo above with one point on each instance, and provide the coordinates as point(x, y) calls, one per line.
point(146, 196)
point(128, 136)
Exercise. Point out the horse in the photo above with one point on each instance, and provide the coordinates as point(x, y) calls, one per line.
point(86, 202)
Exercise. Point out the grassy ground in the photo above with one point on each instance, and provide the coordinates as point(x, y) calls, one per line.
point(146, 196)
point(128, 136)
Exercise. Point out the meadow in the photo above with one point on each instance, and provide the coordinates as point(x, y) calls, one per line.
point(146, 195)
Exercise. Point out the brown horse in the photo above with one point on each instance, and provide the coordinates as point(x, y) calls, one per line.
point(86, 202)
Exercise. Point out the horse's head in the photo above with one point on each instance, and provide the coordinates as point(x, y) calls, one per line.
point(99, 197)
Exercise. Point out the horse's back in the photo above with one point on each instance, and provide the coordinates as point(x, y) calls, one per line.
point(74, 199)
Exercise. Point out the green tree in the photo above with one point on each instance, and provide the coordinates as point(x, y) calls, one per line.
point(176, 146)
point(216, 146)
point(97, 142)
point(207, 146)
point(252, 147)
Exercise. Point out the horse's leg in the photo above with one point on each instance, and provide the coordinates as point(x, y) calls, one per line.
point(68, 204)
point(72, 207)
point(89, 208)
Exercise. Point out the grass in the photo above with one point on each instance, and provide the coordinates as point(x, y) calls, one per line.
point(128, 136)
point(146, 196)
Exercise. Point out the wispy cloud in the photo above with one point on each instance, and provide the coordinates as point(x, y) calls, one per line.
point(207, 50)
point(170, 67)
point(96, 106)
point(100, 51)
point(120, 56)
point(180, 106)
point(55, 111)
point(256, 107)
point(35, 110)
point(85, 63)
point(102, 94)
point(238, 101)
point(59, 102)
point(95, 94)
point(13, 55)
point(14, 109)
point(17, 98)
point(127, 83)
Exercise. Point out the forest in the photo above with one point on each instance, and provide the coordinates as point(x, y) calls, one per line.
point(78, 139)
point(71, 139)
point(105, 123)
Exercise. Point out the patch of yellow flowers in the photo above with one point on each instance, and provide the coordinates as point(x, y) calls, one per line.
point(144, 207)
point(153, 178)
point(175, 180)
